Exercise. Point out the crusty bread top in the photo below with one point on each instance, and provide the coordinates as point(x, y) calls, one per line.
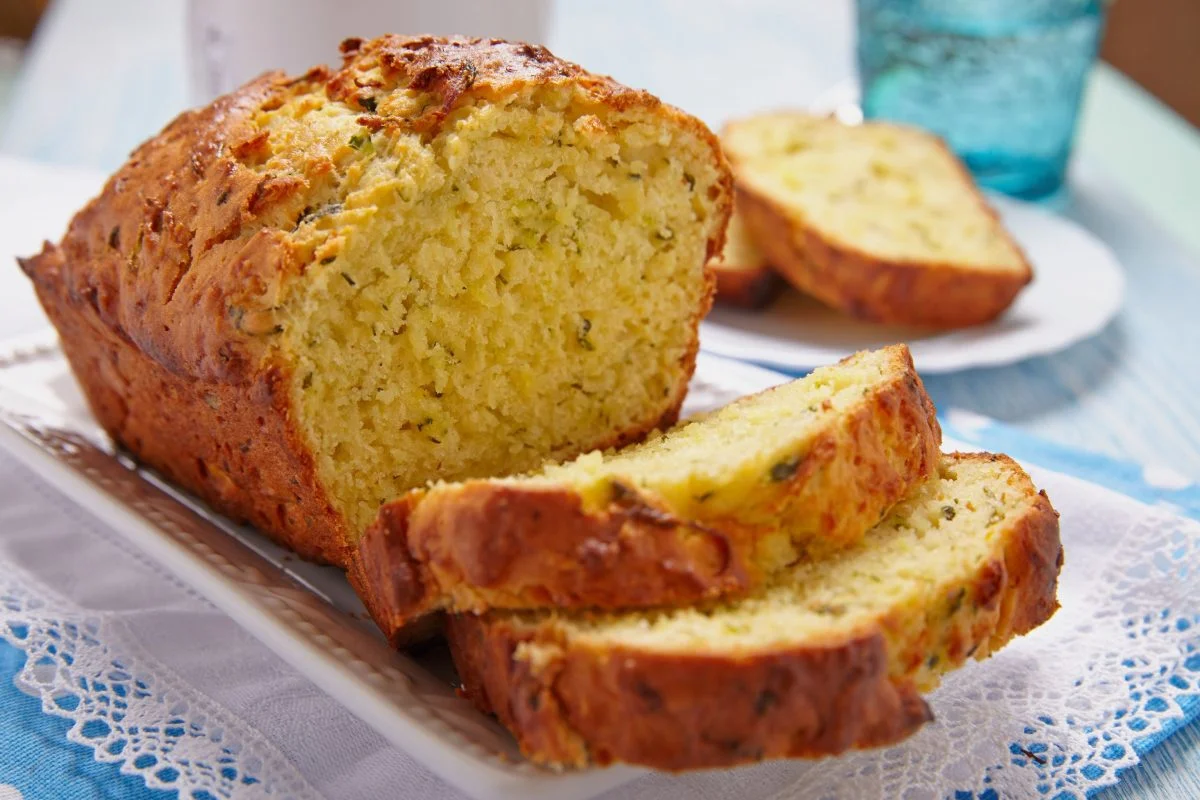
point(193, 221)
point(889, 191)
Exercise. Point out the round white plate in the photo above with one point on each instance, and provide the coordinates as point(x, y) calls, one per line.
point(1077, 289)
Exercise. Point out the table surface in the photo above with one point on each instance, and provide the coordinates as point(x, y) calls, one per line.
point(1130, 392)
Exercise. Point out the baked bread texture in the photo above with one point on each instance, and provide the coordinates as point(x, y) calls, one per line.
point(878, 220)
point(713, 506)
point(744, 278)
point(447, 258)
point(831, 657)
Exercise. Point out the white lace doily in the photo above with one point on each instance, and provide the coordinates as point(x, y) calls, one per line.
point(126, 705)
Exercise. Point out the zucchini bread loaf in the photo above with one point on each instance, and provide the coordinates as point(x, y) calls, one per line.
point(880, 221)
point(714, 506)
point(830, 657)
point(447, 258)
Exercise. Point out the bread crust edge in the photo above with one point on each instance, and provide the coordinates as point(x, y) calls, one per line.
point(675, 712)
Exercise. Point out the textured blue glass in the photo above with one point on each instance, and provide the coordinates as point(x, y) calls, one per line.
point(1000, 80)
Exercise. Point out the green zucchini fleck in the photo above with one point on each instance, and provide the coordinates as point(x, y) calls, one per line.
point(310, 215)
point(785, 469)
point(581, 334)
point(957, 601)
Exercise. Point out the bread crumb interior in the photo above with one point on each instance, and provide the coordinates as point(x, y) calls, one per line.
point(515, 288)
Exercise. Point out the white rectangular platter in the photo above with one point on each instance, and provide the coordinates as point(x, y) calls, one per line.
point(307, 614)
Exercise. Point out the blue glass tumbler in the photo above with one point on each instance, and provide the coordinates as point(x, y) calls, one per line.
point(1000, 80)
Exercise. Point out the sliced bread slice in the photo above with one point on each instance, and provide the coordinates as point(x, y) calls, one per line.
point(829, 658)
point(878, 220)
point(744, 278)
point(708, 508)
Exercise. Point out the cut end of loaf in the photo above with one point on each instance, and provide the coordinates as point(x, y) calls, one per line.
point(521, 283)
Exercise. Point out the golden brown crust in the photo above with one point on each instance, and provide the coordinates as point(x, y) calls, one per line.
point(843, 276)
point(455, 68)
point(181, 226)
point(1032, 563)
point(746, 287)
point(165, 286)
point(231, 444)
point(515, 547)
point(487, 544)
point(678, 712)
point(577, 704)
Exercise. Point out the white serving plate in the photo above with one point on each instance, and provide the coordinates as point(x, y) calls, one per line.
point(1077, 289)
point(306, 613)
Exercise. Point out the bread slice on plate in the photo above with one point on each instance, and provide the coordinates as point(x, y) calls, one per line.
point(744, 278)
point(878, 220)
point(830, 657)
point(711, 507)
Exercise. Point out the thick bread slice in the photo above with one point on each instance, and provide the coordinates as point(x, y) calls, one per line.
point(744, 278)
point(711, 507)
point(830, 658)
point(878, 220)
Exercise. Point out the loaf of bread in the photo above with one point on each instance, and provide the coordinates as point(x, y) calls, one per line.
point(878, 220)
point(744, 278)
point(829, 658)
point(714, 506)
point(447, 258)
